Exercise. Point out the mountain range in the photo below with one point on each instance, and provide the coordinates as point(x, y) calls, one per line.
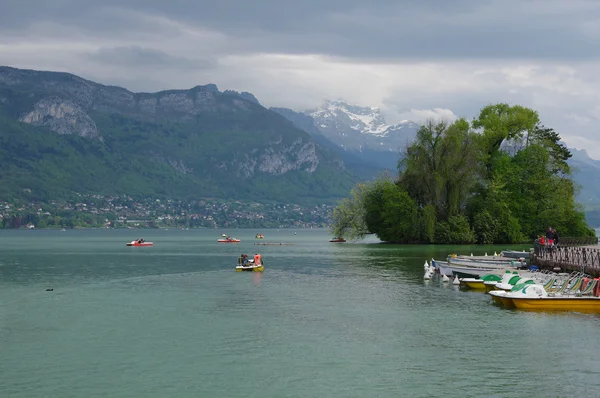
point(61, 134)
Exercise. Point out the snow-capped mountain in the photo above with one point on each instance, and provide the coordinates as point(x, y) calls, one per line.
point(360, 132)
point(359, 128)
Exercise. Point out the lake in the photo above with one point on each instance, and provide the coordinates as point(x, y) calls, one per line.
point(324, 320)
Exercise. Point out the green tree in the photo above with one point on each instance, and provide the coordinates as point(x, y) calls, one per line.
point(441, 166)
point(502, 122)
point(427, 221)
point(348, 219)
point(398, 215)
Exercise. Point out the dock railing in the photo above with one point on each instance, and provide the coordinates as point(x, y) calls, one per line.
point(571, 254)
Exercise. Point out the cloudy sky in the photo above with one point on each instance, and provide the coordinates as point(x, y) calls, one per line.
point(412, 58)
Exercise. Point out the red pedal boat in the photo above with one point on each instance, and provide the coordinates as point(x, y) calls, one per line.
point(230, 240)
point(139, 243)
point(337, 240)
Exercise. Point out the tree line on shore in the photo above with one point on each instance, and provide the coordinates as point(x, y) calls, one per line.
point(502, 178)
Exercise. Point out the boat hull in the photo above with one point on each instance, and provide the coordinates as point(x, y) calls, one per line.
point(507, 302)
point(135, 244)
point(473, 284)
point(573, 304)
point(490, 285)
point(259, 268)
point(496, 297)
point(228, 240)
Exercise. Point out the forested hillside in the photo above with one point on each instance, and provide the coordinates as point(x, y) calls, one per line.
point(60, 134)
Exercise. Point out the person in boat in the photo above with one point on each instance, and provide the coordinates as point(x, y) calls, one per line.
point(241, 259)
point(244, 260)
point(257, 260)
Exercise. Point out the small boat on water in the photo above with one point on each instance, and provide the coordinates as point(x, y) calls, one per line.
point(228, 240)
point(250, 268)
point(139, 242)
point(337, 240)
point(259, 236)
point(255, 264)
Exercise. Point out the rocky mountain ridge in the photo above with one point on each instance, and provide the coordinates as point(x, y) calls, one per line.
point(209, 141)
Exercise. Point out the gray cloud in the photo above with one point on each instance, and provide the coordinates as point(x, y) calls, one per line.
point(409, 57)
point(387, 29)
point(139, 57)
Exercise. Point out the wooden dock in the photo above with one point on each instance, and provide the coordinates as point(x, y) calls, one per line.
point(582, 256)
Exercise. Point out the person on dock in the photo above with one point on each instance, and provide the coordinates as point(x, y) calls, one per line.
point(549, 237)
point(555, 237)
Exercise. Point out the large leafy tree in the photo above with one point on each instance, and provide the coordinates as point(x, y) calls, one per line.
point(441, 166)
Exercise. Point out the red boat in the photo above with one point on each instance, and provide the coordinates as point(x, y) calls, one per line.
point(337, 240)
point(139, 242)
point(228, 240)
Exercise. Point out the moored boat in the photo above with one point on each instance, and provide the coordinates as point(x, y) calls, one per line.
point(515, 254)
point(512, 278)
point(441, 267)
point(474, 272)
point(485, 261)
point(535, 297)
point(479, 283)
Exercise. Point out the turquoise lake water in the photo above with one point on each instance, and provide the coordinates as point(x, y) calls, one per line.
point(324, 320)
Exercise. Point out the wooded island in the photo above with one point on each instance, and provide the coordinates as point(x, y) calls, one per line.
point(503, 178)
